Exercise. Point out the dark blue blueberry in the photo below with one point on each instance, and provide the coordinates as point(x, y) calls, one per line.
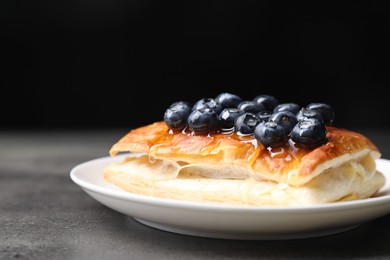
point(176, 115)
point(227, 100)
point(285, 119)
point(309, 133)
point(270, 134)
point(246, 123)
point(269, 102)
point(250, 106)
point(227, 117)
point(292, 107)
point(305, 113)
point(325, 110)
point(264, 115)
point(208, 102)
point(203, 120)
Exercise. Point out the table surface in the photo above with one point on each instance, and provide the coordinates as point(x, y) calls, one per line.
point(45, 215)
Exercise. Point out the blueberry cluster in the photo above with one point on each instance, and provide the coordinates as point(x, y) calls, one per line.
point(272, 123)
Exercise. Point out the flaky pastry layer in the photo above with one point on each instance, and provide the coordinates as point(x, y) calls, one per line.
point(235, 185)
point(288, 164)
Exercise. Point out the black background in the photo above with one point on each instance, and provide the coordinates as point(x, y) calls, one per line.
point(117, 63)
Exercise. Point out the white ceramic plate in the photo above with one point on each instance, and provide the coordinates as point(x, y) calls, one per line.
point(232, 221)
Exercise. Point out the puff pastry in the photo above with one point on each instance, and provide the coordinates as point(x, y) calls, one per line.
point(227, 168)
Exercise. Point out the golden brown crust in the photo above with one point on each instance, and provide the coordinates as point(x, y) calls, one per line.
point(158, 140)
point(140, 139)
point(340, 142)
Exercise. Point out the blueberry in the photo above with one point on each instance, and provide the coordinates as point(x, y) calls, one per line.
point(246, 123)
point(264, 115)
point(208, 102)
point(325, 110)
point(227, 117)
point(292, 107)
point(309, 133)
point(270, 134)
point(227, 100)
point(250, 106)
point(176, 115)
point(285, 119)
point(203, 120)
point(269, 102)
point(305, 113)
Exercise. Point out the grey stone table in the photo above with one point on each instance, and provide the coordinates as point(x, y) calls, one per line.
point(44, 215)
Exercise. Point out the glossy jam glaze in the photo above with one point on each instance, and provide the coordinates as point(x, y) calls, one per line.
point(288, 151)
